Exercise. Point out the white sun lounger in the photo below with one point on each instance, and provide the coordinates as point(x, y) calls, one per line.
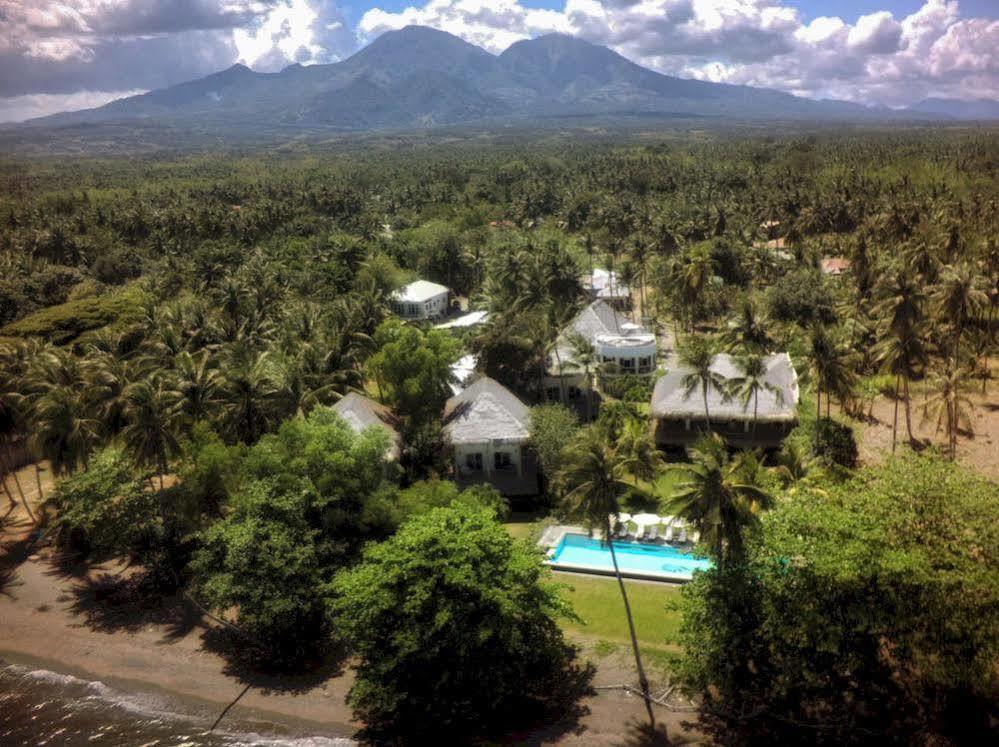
point(652, 533)
point(683, 535)
point(668, 536)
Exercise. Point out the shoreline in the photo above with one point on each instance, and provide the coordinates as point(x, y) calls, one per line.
point(42, 628)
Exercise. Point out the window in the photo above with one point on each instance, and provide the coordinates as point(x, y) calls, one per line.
point(553, 394)
point(501, 460)
point(574, 392)
point(628, 364)
point(473, 462)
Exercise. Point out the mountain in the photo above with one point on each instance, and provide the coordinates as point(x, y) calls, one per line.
point(420, 77)
point(978, 109)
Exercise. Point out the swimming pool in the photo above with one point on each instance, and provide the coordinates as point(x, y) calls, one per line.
point(578, 552)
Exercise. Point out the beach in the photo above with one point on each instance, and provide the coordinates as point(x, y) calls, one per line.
point(56, 618)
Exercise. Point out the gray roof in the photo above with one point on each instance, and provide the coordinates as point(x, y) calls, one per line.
point(360, 412)
point(669, 399)
point(486, 411)
point(599, 318)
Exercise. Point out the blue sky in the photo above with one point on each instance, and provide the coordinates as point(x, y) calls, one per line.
point(57, 55)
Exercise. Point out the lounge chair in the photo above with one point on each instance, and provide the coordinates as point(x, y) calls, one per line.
point(683, 535)
point(653, 533)
point(668, 536)
point(621, 531)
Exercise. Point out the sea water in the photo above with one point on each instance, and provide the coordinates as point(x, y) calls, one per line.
point(38, 707)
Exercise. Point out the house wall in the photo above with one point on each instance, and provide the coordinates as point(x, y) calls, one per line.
point(738, 433)
point(488, 450)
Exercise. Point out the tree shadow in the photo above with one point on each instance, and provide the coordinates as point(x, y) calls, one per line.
point(249, 664)
point(109, 603)
point(639, 733)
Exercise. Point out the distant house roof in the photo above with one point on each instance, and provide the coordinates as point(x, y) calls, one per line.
point(465, 320)
point(486, 411)
point(360, 412)
point(834, 265)
point(770, 224)
point(419, 291)
point(605, 284)
point(779, 243)
point(669, 399)
point(463, 370)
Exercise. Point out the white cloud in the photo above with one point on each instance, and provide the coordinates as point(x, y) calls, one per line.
point(20, 108)
point(877, 59)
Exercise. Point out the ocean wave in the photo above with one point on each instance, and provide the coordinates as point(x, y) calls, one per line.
point(148, 710)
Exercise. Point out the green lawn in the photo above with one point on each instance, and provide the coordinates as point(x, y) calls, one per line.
point(597, 601)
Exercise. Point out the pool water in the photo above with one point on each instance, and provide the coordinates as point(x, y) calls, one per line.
point(636, 557)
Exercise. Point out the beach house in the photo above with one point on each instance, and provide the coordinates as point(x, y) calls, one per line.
point(487, 428)
point(762, 422)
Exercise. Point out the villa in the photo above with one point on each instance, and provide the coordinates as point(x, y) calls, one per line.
point(488, 428)
point(605, 285)
point(620, 347)
point(421, 300)
point(834, 266)
point(680, 420)
point(362, 413)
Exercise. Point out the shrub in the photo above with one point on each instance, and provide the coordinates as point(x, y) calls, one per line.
point(835, 442)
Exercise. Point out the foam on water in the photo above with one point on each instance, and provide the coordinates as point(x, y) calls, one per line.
point(49, 708)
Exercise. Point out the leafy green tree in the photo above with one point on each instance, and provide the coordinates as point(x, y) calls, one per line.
point(308, 497)
point(865, 613)
point(595, 477)
point(412, 369)
point(106, 509)
point(553, 427)
point(454, 625)
point(752, 380)
point(424, 496)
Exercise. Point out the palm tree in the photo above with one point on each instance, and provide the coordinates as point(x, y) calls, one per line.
point(796, 467)
point(747, 332)
point(584, 355)
point(831, 365)
point(958, 298)
point(152, 418)
point(60, 432)
point(947, 407)
point(248, 396)
point(903, 355)
point(752, 381)
point(594, 475)
point(698, 356)
point(715, 498)
point(639, 451)
point(198, 382)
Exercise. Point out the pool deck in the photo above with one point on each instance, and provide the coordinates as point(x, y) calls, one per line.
point(553, 536)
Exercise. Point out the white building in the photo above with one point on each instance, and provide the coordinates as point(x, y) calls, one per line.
point(421, 299)
point(620, 347)
point(488, 428)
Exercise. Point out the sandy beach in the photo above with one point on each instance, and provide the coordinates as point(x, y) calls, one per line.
point(59, 618)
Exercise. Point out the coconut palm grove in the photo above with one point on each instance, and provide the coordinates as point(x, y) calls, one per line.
point(408, 430)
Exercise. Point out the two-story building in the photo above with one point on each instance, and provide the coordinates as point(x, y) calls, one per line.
point(487, 428)
point(420, 300)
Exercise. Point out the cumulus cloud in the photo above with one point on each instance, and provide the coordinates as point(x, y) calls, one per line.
point(878, 58)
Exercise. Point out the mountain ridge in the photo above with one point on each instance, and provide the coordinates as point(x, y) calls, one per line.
point(418, 77)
